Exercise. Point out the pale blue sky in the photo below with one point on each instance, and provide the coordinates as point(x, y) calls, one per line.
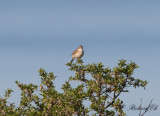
point(43, 34)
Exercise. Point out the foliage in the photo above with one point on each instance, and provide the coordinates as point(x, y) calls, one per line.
point(99, 85)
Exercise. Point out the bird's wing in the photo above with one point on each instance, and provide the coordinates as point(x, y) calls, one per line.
point(75, 52)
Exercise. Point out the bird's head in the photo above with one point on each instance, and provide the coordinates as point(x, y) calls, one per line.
point(81, 46)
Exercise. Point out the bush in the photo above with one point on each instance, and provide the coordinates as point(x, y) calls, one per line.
point(102, 90)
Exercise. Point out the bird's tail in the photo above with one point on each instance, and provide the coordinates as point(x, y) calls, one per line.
point(72, 60)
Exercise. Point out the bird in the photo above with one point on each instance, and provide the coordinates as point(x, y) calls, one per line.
point(78, 53)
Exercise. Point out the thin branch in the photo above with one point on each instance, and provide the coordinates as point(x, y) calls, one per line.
point(114, 98)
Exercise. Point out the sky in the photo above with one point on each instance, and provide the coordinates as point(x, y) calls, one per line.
point(43, 34)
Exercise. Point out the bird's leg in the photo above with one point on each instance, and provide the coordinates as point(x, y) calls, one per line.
point(79, 61)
